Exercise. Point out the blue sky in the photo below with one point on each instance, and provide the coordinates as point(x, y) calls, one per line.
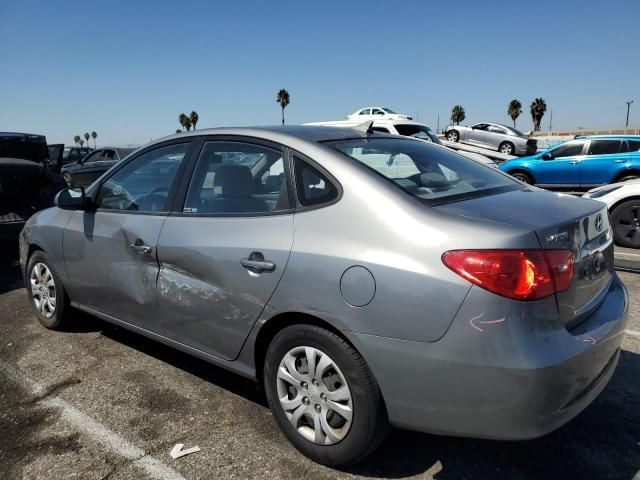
point(128, 68)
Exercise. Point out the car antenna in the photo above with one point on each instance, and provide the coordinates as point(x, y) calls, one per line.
point(366, 127)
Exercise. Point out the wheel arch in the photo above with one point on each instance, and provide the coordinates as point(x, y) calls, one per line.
point(524, 170)
point(279, 322)
point(625, 173)
point(621, 201)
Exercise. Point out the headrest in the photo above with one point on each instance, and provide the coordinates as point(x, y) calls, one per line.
point(234, 180)
point(433, 180)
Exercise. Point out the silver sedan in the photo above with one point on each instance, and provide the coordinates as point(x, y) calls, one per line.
point(363, 279)
point(494, 136)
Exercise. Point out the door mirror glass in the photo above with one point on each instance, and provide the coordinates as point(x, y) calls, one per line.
point(71, 199)
point(547, 156)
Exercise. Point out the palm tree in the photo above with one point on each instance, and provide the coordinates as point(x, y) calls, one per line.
point(81, 143)
point(538, 107)
point(458, 114)
point(514, 110)
point(187, 123)
point(87, 137)
point(193, 117)
point(76, 139)
point(182, 119)
point(94, 135)
point(283, 99)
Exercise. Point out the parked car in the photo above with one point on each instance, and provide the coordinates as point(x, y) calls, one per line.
point(412, 289)
point(580, 164)
point(83, 172)
point(623, 203)
point(371, 113)
point(60, 155)
point(493, 136)
point(26, 184)
point(408, 128)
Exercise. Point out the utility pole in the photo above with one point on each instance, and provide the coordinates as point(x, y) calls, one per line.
point(628, 107)
point(438, 125)
point(550, 119)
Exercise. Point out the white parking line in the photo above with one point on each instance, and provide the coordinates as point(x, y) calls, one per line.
point(155, 468)
point(633, 333)
point(630, 256)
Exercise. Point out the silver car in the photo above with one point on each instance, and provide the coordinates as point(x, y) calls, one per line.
point(494, 136)
point(363, 279)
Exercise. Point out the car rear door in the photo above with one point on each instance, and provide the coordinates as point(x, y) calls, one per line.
point(563, 167)
point(599, 165)
point(224, 249)
point(110, 253)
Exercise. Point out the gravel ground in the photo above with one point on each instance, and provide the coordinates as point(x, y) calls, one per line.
point(100, 402)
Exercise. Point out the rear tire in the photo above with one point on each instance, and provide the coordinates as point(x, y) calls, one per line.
point(625, 219)
point(46, 292)
point(453, 136)
point(507, 148)
point(523, 177)
point(298, 399)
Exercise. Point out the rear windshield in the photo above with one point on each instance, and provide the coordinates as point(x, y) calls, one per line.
point(433, 174)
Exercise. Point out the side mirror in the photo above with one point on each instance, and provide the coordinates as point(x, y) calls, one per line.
point(71, 199)
point(547, 156)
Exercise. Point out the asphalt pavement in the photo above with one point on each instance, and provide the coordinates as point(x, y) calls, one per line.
point(99, 402)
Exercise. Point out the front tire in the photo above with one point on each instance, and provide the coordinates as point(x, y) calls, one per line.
point(507, 148)
point(46, 292)
point(626, 224)
point(523, 177)
point(453, 136)
point(323, 396)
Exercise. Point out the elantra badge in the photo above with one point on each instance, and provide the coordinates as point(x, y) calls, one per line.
point(555, 238)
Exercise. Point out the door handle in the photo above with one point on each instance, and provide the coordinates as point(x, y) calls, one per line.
point(139, 247)
point(620, 160)
point(574, 162)
point(257, 263)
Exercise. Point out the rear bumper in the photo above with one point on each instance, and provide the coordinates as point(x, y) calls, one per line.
point(514, 375)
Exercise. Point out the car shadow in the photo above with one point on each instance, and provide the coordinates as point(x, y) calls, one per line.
point(602, 442)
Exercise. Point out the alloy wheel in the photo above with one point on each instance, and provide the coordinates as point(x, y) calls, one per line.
point(628, 225)
point(314, 395)
point(43, 290)
point(507, 149)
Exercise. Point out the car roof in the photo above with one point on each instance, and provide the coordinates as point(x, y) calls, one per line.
point(280, 133)
point(611, 137)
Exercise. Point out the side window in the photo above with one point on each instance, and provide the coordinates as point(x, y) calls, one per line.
point(377, 111)
point(143, 184)
point(480, 126)
point(568, 149)
point(604, 147)
point(366, 111)
point(94, 157)
point(494, 129)
point(312, 186)
point(237, 178)
point(633, 145)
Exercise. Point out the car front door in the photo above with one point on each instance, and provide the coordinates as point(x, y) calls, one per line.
point(81, 172)
point(561, 165)
point(477, 134)
point(110, 251)
point(599, 165)
point(225, 248)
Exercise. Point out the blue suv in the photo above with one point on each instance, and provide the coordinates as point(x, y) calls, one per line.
point(582, 163)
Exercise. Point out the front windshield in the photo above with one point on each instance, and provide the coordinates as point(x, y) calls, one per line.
point(388, 110)
point(433, 174)
point(418, 131)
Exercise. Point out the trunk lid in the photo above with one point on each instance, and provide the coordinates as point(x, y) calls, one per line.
point(560, 222)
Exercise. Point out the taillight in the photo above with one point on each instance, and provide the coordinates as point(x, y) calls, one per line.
point(517, 274)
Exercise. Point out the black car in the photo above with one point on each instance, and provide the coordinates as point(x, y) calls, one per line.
point(26, 183)
point(61, 154)
point(83, 172)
